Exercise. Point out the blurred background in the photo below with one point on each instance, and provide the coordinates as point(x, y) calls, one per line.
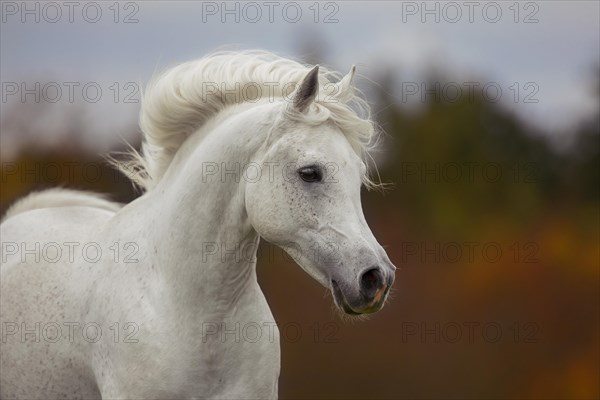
point(492, 141)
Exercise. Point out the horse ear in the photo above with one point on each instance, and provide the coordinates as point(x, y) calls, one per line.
point(345, 90)
point(307, 91)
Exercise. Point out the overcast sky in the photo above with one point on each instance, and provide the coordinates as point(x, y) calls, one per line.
point(544, 51)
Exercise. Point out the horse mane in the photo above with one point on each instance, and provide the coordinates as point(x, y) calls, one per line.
point(181, 100)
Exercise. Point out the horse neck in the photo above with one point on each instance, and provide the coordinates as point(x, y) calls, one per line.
point(206, 245)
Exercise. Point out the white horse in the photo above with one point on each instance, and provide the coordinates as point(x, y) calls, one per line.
point(159, 298)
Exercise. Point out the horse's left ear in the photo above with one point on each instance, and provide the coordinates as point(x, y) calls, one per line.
point(307, 91)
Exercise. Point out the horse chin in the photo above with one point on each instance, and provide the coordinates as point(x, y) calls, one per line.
point(342, 303)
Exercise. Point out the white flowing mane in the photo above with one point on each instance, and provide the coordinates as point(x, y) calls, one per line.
point(180, 101)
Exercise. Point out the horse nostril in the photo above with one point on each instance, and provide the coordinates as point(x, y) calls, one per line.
point(371, 281)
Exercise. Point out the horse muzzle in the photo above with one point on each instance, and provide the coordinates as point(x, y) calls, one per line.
point(368, 297)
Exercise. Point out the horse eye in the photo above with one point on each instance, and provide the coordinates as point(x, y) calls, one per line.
point(310, 174)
